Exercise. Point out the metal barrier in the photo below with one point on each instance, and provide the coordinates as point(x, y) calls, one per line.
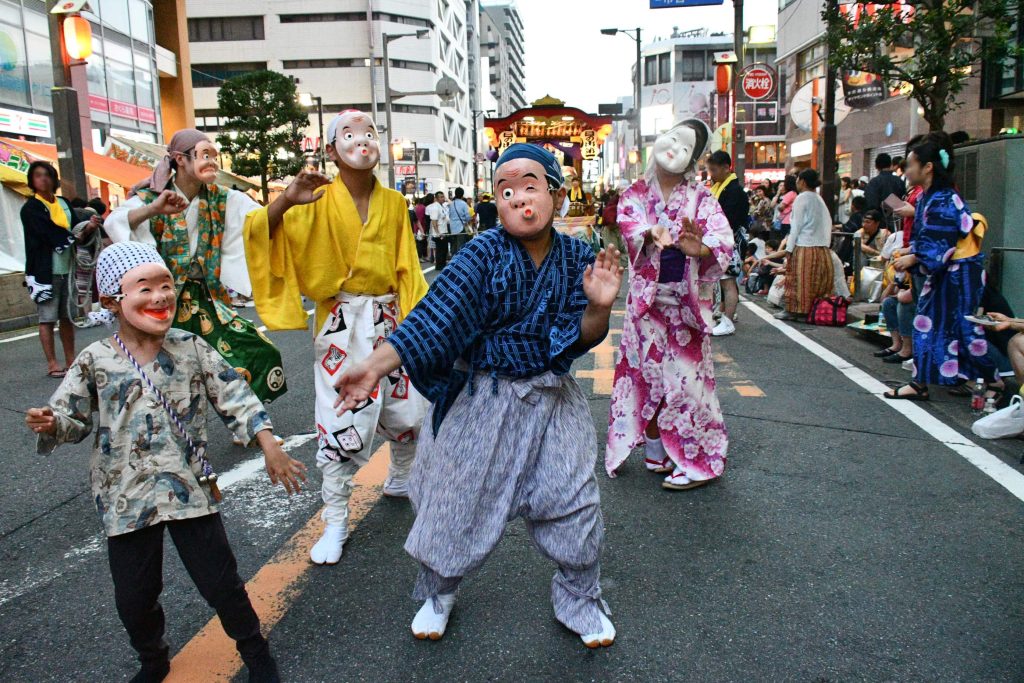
point(857, 262)
point(1001, 268)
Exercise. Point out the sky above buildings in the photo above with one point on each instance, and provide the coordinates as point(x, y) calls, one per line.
point(568, 58)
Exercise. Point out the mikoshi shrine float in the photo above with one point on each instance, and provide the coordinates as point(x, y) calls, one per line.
point(571, 134)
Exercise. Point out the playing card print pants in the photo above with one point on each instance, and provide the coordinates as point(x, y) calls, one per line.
point(355, 327)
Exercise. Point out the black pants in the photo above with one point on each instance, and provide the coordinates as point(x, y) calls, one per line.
point(136, 565)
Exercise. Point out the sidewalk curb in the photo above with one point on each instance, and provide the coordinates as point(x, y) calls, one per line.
point(19, 323)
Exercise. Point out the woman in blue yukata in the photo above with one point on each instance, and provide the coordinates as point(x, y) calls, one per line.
point(509, 433)
point(946, 258)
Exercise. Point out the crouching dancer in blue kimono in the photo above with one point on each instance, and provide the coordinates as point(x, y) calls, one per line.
point(509, 433)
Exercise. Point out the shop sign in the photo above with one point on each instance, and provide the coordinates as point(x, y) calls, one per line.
point(24, 123)
point(758, 81)
point(13, 157)
point(588, 144)
point(665, 4)
point(862, 89)
point(124, 110)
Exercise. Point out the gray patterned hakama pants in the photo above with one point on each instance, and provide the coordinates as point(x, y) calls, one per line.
point(507, 449)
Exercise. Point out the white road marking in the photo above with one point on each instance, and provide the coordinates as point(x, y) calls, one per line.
point(19, 337)
point(35, 578)
point(984, 460)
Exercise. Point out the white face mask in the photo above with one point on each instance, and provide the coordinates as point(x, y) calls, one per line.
point(673, 150)
point(356, 142)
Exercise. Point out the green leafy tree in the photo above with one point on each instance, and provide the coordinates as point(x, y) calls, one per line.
point(264, 126)
point(932, 45)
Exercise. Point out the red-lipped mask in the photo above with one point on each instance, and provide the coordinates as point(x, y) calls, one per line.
point(525, 204)
point(147, 301)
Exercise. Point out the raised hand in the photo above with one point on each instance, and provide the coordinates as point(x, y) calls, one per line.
point(691, 239)
point(661, 237)
point(602, 280)
point(306, 187)
point(41, 420)
point(169, 203)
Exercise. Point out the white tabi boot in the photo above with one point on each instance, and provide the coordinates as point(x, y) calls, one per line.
point(328, 549)
point(604, 638)
point(432, 619)
point(397, 483)
point(655, 458)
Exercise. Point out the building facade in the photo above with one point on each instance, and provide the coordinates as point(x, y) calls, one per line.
point(503, 45)
point(885, 127)
point(134, 83)
point(334, 49)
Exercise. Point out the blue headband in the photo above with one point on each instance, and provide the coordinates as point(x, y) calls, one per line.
point(524, 150)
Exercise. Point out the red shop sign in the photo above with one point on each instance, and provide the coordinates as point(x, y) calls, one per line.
point(758, 81)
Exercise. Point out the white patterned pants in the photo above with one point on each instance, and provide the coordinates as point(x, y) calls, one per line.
point(354, 328)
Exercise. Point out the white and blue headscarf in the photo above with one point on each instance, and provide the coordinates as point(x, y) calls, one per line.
point(114, 263)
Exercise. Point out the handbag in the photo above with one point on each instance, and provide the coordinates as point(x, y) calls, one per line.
point(236, 339)
point(777, 291)
point(829, 311)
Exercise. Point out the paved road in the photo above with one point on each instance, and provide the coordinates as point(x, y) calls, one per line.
point(844, 543)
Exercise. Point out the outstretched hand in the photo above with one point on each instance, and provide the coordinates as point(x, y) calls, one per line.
point(283, 469)
point(41, 420)
point(601, 281)
point(306, 187)
point(355, 386)
point(691, 239)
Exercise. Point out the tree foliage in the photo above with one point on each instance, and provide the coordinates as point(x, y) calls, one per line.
point(931, 45)
point(264, 127)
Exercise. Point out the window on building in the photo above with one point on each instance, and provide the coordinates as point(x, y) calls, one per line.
point(138, 13)
point(321, 17)
point(810, 64)
point(650, 70)
point(212, 29)
point(665, 67)
point(213, 75)
point(114, 13)
point(690, 65)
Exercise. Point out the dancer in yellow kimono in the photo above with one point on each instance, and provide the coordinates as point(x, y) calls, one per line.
point(347, 245)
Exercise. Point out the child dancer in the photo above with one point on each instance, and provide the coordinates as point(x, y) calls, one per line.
point(510, 433)
point(149, 385)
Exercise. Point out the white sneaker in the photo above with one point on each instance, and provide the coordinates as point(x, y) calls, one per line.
point(724, 327)
point(428, 623)
point(328, 549)
point(908, 365)
point(396, 487)
point(603, 639)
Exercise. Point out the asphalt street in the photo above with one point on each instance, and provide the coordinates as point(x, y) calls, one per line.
point(845, 543)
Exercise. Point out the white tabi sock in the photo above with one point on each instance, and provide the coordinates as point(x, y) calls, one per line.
point(603, 638)
point(432, 619)
point(654, 450)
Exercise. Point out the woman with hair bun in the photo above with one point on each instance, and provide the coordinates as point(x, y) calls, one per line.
point(809, 260)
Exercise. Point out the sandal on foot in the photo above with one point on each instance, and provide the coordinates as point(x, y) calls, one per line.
point(920, 393)
point(659, 466)
point(884, 353)
point(963, 389)
point(678, 481)
point(57, 374)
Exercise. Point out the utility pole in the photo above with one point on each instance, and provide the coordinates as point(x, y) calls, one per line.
point(635, 35)
point(828, 138)
point(739, 138)
point(66, 113)
point(387, 110)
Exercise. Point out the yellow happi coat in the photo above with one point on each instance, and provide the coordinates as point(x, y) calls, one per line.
point(323, 248)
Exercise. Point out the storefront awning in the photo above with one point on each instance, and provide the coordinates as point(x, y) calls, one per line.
point(150, 153)
point(104, 168)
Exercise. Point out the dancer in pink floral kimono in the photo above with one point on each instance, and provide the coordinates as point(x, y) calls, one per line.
point(679, 247)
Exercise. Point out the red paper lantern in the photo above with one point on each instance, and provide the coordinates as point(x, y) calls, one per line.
point(723, 79)
point(77, 38)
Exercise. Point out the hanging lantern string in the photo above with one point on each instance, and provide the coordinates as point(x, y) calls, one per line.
point(208, 475)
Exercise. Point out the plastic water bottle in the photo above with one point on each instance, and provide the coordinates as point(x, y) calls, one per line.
point(978, 397)
point(990, 405)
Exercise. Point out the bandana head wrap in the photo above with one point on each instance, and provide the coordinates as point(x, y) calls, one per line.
point(182, 142)
point(332, 127)
point(524, 150)
point(114, 263)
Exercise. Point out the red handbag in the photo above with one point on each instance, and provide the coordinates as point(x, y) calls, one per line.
point(829, 311)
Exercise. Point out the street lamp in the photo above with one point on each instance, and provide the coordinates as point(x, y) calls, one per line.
point(70, 44)
point(476, 164)
point(390, 95)
point(307, 100)
point(635, 35)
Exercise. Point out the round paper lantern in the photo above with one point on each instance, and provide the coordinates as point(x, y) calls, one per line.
point(77, 38)
point(723, 79)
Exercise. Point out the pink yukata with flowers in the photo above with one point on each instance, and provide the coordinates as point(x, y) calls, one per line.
point(665, 350)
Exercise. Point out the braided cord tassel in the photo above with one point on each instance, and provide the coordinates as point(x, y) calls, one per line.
point(208, 475)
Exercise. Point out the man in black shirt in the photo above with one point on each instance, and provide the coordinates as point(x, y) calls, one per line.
point(884, 184)
point(736, 206)
point(486, 212)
